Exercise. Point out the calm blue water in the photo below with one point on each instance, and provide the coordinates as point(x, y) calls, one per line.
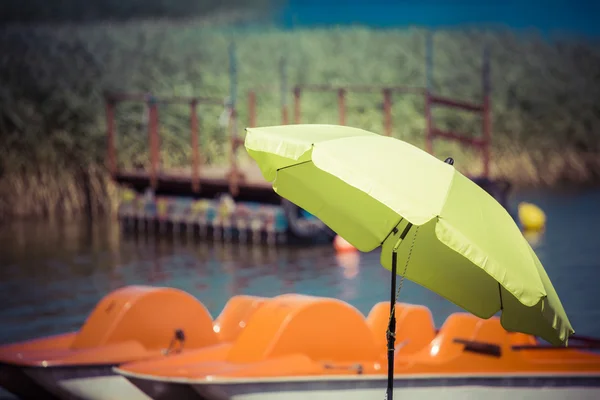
point(51, 277)
point(574, 16)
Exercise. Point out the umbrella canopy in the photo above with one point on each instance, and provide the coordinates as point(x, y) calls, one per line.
point(452, 237)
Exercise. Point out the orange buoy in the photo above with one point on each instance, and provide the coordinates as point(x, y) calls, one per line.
point(341, 245)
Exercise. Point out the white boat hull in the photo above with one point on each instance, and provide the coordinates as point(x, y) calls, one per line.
point(84, 383)
point(488, 387)
point(464, 393)
point(102, 388)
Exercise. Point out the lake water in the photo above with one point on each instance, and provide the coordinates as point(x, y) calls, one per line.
point(51, 276)
point(574, 16)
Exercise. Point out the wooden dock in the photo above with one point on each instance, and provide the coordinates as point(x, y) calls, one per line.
point(212, 181)
point(235, 200)
point(209, 211)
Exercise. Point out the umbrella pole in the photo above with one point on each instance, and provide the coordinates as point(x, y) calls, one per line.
point(391, 331)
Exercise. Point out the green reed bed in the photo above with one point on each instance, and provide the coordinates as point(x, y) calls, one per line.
point(545, 98)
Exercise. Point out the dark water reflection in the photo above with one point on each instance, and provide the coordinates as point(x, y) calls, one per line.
point(51, 275)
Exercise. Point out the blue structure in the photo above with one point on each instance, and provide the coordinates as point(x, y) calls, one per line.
point(575, 16)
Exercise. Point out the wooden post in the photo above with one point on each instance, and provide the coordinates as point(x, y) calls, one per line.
point(154, 141)
point(428, 123)
point(252, 108)
point(234, 174)
point(284, 115)
point(297, 94)
point(428, 91)
point(194, 142)
point(283, 91)
point(111, 150)
point(487, 117)
point(387, 111)
point(342, 106)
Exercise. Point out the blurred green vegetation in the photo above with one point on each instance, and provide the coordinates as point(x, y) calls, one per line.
point(545, 97)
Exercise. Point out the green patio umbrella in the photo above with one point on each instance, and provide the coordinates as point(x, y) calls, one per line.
point(447, 233)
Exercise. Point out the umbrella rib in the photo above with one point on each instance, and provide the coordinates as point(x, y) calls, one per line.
point(293, 165)
point(500, 292)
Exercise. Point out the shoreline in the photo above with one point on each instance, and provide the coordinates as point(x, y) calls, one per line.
point(68, 196)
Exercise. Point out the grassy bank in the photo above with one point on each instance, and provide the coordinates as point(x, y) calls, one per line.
point(546, 98)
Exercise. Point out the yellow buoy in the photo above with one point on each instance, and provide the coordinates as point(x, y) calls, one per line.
point(128, 195)
point(532, 217)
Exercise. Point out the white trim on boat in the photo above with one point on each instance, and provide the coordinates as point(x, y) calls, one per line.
point(350, 377)
point(446, 393)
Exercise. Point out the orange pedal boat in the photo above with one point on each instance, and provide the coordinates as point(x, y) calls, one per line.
point(296, 346)
point(133, 323)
